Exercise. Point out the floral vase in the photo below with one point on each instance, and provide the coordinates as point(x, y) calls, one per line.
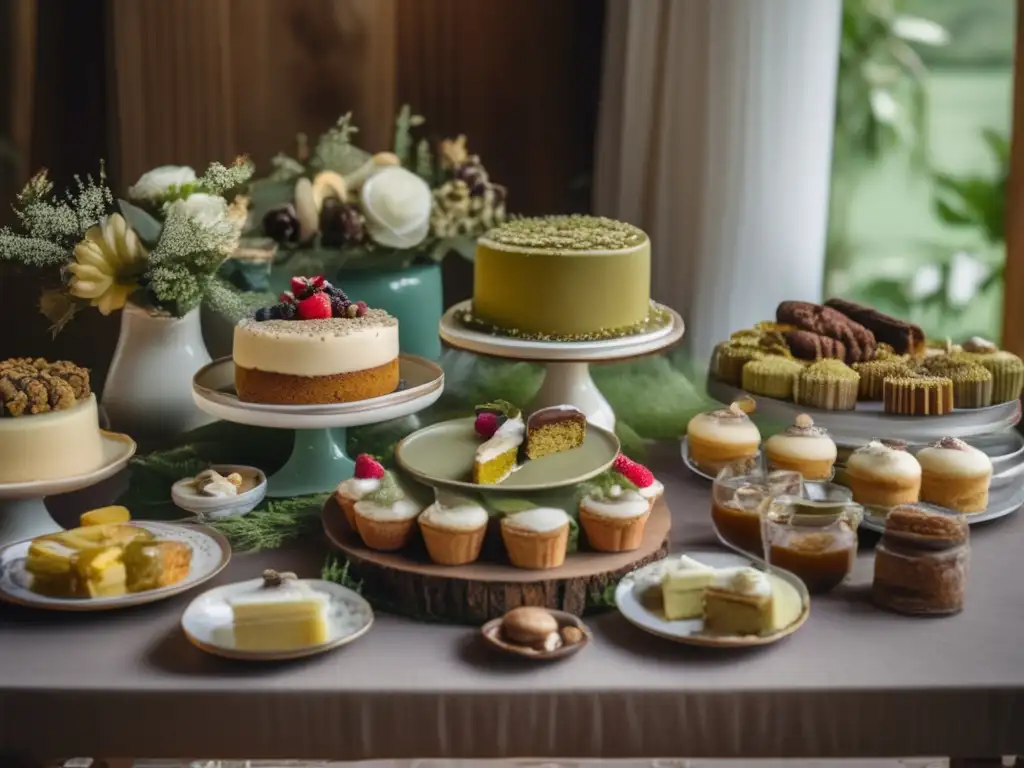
point(414, 295)
point(148, 391)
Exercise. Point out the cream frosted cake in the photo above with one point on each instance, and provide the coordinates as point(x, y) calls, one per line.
point(721, 437)
point(882, 473)
point(282, 615)
point(315, 347)
point(803, 448)
point(955, 475)
point(504, 430)
point(563, 277)
point(49, 423)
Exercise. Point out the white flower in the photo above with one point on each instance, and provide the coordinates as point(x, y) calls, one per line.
point(966, 275)
point(397, 204)
point(159, 182)
point(208, 211)
point(107, 264)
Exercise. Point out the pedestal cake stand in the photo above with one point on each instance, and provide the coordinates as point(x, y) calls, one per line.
point(23, 514)
point(567, 364)
point(318, 461)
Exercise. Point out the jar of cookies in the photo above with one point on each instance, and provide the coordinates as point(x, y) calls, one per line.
point(740, 498)
point(814, 539)
point(921, 563)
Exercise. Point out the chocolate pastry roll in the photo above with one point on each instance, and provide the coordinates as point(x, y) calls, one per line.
point(857, 340)
point(905, 338)
point(805, 345)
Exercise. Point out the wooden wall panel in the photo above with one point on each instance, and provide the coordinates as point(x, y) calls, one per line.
point(1013, 304)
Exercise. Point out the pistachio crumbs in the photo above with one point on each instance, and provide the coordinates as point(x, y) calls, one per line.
point(830, 369)
point(327, 326)
point(567, 233)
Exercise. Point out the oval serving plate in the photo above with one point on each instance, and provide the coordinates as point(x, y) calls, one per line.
point(210, 555)
point(442, 456)
point(638, 598)
point(207, 621)
point(491, 632)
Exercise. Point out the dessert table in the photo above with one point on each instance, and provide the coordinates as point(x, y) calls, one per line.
point(854, 681)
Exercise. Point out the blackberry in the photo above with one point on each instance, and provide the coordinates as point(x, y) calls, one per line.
point(338, 306)
point(336, 293)
point(263, 314)
point(282, 225)
point(286, 311)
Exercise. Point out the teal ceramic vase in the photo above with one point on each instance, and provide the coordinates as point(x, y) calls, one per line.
point(414, 295)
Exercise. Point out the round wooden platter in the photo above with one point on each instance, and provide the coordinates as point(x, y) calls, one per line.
point(408, 583)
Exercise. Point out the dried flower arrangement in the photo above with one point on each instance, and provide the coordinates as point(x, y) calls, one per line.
point(337, 206)
point(161, 251)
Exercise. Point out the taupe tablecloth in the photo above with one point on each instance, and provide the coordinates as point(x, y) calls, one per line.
point(853, 682)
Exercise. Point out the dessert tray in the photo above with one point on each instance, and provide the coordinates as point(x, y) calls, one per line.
point(638, 598)
point(409, 583)
point(23, 515)
point(442, 456)
point(567, 378)
point(210, 555)
point(318, 461)
point(207, 622)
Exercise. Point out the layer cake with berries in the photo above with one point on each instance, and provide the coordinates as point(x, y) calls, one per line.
point(315, 347)
point(49, 423)
point(563, 277)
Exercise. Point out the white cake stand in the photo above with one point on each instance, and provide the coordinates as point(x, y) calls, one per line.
point(23, 515)
point(567, 364)
point(318, 461)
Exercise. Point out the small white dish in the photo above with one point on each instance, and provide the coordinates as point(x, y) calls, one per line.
point(207, 621)
point(221, 507)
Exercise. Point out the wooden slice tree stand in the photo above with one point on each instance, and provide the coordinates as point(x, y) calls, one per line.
point(408, 583)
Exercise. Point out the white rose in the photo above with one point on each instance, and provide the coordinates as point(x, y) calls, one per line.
point(153, 185)
point(208, 211)
point(396, 204)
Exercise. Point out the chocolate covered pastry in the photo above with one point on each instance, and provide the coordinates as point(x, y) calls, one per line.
point(805, 345)
point(857, 340)
point(905, 338)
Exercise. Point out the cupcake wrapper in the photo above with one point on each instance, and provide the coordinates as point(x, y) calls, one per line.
point(450, 547)
point(838, 395)
point(918, 397)
point(527, 549)
point(348, 506)
point(385, 535)
point(1006, 385)
point(613, 534)
point(972, 394)
point(775, 385)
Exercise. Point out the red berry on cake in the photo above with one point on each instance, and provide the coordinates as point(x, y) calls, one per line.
point(315, 307)
point(637, 474)
point(286, 297)
point(319, 282)
point(486, 424)
point(368, 467)
point(299, 285)
point(361, 308)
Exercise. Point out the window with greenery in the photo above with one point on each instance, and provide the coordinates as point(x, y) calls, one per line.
point(921, 160)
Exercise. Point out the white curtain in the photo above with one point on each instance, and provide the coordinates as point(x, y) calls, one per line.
point(715, 137)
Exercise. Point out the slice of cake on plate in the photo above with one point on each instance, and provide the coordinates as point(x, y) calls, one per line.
point(283, 614)
point(739, 602)
point(553, 430)
point(683, 587)
point(501, 425)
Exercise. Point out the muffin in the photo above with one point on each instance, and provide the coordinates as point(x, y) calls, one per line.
point(771, 376)
point(453, 530)
point(367, 477)
point(874, 372)
point(536, 538)
point(917, 395)
point(730, 358)
point(719, 438)
point(802, 448)
point(386, 518)
point(613, 514)
point(883, 474)
point(828, 384)
point(972, 385)
point(955, 475)
point(1007, 375)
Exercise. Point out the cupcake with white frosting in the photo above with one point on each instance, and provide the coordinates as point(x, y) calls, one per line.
point(719, 438)
point(367, 477)
point(453, 529)
point(536, 538)
point(802, 448)
point(386, 517)
point(883, 474)
point(955, 475)
point(613, 513)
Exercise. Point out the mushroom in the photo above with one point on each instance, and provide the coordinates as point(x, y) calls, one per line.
point(306, 210)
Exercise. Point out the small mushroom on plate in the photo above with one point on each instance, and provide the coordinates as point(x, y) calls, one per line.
point(537, 633)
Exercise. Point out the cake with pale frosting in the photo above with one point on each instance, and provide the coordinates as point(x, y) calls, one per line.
point(721, 437)
point(49, 422)
point(315, 347)
point(804, 448)
point(563, 278)
point(955, 475)
point(883, 474)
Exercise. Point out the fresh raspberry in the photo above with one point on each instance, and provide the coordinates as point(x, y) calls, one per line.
point(637, 474)
point(299, 285)
point(361, 308)
point(286, 297)
point(315, 307)
point(319, 282)
point(368, 467)
point(486, 424)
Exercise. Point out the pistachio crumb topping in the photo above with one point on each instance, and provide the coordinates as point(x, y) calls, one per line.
point(567, 233)
point(830, 369)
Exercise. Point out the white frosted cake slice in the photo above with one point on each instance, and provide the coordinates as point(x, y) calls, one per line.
point(280, 617)
point(682, 589)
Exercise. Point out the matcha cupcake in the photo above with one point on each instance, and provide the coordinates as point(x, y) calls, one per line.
point(1007, 375)
point(828, 384)
point(972, 385)
point(917, 395)
point(772, 376)
point(873, 374)
point(730, 358)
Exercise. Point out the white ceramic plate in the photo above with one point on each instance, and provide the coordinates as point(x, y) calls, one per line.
point(117, 450)
point(207, 621)
point(638, 597)
point(210, 554)
point(1002, 501)
point(685, 447)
